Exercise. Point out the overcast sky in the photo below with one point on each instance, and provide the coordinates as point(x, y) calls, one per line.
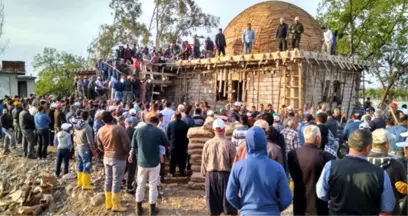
point(32, 25)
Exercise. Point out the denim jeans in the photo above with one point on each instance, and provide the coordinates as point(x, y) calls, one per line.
point(84, 160)
point(247, 48)
point(114, 172)
point(9, 139)
point(62, 155)
point(137, 93)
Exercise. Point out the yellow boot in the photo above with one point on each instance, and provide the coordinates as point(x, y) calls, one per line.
point(116, 203)
point(108, 200)
point(79, 179)
point(86, 182)
point(292, 186)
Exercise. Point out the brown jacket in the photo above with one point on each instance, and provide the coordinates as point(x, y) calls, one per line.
point(218, 155)
point(114, 141)
point(273, 151)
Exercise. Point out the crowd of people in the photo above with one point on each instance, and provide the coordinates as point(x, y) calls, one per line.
point(272, 160)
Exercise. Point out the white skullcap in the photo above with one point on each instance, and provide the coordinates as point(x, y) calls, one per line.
point(238, 104)
point(132, 111)
point(141, 124)
point(210, 113)
point(77, 104)
point(66, 126)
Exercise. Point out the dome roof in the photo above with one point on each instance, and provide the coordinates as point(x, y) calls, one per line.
point(264, 18)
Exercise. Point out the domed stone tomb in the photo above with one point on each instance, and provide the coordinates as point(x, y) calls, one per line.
point(264, 18)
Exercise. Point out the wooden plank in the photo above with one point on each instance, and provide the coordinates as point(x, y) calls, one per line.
point(158, 73)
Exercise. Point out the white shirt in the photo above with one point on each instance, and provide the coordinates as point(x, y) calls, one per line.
point(328, 36)
point(167, 114)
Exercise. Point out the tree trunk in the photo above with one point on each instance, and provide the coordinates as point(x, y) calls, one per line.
point(383, 104)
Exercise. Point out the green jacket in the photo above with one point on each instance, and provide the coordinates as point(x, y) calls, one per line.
point(146, 143)
point(296, 31)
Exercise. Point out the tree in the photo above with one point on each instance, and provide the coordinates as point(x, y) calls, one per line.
point(364, 25)
point(124, 29)
point(174, 18)
point(54, 74)
point(2, 47)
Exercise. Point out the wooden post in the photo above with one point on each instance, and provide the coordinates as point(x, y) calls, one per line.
point(199, 87)
point(351, 94)
point(300, 86)
point(229, 87)
point(257, 97)
point(244, 86)
point(225, 78)
point(273, 102)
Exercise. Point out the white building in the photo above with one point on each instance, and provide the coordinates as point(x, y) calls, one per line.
point(14, 81)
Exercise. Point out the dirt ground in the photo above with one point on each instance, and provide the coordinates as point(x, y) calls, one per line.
point(177, 197)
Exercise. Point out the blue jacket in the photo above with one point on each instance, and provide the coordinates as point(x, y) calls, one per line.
point(261, 181)
point(42, 121)
point(349, 129)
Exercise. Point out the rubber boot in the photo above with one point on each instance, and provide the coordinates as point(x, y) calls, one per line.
point(139, 209)
point(153, 210)
point(116, 207)
point(79, 179)
point(108, 200)
point(86, 182)
point(292, 187)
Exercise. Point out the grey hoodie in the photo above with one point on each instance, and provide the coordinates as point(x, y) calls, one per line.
point(83, 136)
point(63, 140)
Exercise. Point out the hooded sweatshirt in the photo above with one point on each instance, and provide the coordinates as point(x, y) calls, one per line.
point(261, 181)
point(394, 169)
point(63, 140)
point(84, 136)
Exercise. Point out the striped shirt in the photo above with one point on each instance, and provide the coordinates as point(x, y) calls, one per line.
point(238, 136)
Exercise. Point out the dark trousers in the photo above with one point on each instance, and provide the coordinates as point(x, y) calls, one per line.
point(17, 132)
point(295, 43)
point(162, 171)
point(28, 142)
point(148, 95)
point(215, 189)
point(43, 138)
point(221, 50)
point(131, 171)
point(137, 93)
point(62, 155)
point(282, 44)
point(178, 157)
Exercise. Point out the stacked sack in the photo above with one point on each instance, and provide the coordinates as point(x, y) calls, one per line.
point(229, 129)
point(197, 137)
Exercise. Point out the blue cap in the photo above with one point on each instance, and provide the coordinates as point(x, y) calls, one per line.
point(129, 121)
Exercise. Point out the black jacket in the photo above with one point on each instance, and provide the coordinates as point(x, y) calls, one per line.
point(377, 123)
point(7, 121)
point(177, 134)
point(220, 40)
point(282, 31)
point(305, 165)
point(28, 122)
point(395, 171)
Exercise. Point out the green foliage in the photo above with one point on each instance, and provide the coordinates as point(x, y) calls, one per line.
point(125, 29)
point(53, 71)
point(394, 93)
point(373, 23)
point(174, 18)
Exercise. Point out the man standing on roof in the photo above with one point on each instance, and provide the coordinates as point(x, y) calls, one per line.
point(296, 30)
point(220, 42)
point(282, 35)
point(248, 39)
point(327, 40)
